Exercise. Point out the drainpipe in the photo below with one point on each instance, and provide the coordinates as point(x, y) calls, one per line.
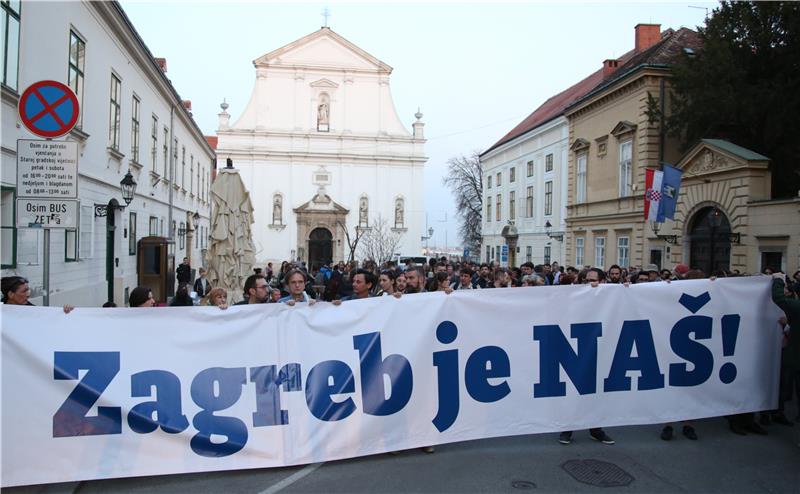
point(171, 169)
point(662, 124)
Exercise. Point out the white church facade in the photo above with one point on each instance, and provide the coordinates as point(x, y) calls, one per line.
point(322, 150)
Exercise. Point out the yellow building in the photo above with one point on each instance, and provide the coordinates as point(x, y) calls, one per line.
point(725, 217)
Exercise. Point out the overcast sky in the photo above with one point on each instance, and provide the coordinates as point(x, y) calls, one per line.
point(474, 69)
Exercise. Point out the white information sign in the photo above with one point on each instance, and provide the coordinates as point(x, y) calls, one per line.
point(47, 168)
point(47, 213)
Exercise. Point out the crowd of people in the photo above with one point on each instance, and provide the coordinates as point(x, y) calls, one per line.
point(292, 283)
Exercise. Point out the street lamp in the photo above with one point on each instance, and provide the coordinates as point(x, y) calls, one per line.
point(128, 187)
point(430, 234)
point(548, 230)
point(670, 239)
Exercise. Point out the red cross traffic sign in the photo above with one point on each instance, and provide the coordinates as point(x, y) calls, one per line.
point(48, 109)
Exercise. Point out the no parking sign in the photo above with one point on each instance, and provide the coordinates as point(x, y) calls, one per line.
point(49, 109)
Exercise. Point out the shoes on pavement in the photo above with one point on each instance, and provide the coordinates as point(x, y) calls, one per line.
point(755, 429)
point(666, 433)
point(429, 449)
point(689, 432)
point(764, 419)
point(565, 438)
point(780, 418)
point(601, 436)
point(738, 430)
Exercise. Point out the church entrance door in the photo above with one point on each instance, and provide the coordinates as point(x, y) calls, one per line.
point(320, 248)
point(710, 241)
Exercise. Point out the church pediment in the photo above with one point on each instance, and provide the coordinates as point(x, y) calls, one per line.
point(324, 83)
point(714, 155)
point(323, 48)
point(321, 203)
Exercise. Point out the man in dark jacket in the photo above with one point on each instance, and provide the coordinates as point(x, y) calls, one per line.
point(184, 272)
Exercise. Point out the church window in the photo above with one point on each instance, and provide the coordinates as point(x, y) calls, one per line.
point(363, 212)
point(277, 209)
point(399, 213)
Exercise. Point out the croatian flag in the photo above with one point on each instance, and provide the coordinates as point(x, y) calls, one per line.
point(652, 195)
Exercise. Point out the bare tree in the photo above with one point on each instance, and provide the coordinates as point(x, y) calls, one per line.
point(379, 242)
point(465, 180)
point(352, 242)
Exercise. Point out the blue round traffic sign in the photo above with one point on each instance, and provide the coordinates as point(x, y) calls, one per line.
point(49, 109)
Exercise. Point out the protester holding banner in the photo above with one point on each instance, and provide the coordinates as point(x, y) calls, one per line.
point(16, 291)
point(256, 290)
point(296, 284)
point(786, 299)
point(141, 296)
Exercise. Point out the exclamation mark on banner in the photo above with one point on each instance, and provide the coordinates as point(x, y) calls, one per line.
point(730, 330)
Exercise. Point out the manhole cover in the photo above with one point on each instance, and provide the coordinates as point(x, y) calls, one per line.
point(598, 473)
point(523, 484)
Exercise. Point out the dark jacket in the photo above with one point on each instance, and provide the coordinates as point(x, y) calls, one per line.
point(198, 287)
point(184, 272)
point(791, 307)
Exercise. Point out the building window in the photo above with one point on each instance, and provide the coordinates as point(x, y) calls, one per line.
point(547, 254)
point(135, 129)
point(191, 174)
point(580, 185)
point(172, 170)
point(512, 174)
point(277, 209)
point(623, 249)
point(548, 198)
point(512, 202)
point(599, 252)
point(77, 62)
point(529, 254)
point(153, 227)
point(11, 17)
point(399, 213)
point(154, 139)
point(166, 152)
point(488, 181)
point(529, 202)
point(488, 253)
point(625, 168)
point(548, 163)
point(197, 170)
point(70, 245)
point(114, 113)
point(86, 247)
point(499, 178)
point(579, 244)
point(183, 169)
point(8, 226)
point(498, 206)
point(530, 168)
point(132, 234)
point(30, 247)
point(489, 209)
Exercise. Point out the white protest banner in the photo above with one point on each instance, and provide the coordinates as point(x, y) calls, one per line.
point(103, 393)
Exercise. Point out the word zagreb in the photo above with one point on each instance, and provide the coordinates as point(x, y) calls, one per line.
point(485, 379)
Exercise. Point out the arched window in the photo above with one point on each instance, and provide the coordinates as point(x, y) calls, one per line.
point(399, 213)
point(277, 209)
point(363, 212)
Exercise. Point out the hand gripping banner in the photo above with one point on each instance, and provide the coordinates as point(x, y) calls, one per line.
point(103, 393)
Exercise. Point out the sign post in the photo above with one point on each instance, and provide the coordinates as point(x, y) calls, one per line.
point(47, 170)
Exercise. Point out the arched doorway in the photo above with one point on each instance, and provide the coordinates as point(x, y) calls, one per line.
point(320, 248)
point(710, 238)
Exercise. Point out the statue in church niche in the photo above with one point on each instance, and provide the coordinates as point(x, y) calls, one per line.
point(323, 110)
point(277, 211)
point(363, 209)
point(398, 214)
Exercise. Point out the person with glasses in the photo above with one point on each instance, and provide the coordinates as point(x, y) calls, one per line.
point(256, 290)
point(17, 291)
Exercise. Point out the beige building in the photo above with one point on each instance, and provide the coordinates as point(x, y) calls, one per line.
point(725, 217)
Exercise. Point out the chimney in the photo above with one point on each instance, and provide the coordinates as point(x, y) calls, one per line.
point(162, 62)
point(610, 66)
point(646, 36)
point(187, 103)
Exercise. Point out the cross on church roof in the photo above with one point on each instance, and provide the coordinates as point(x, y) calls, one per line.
point(326, 13)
